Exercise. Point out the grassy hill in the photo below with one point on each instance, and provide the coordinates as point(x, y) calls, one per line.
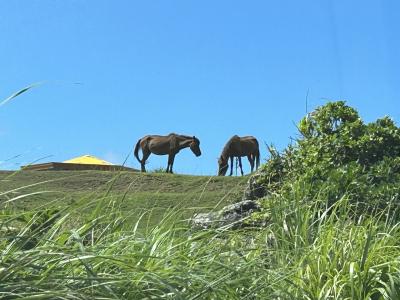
point(331, 226)
point(134, 193)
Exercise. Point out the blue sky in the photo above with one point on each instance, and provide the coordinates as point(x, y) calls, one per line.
point(206, 68)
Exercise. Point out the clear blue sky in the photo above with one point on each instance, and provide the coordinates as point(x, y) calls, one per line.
point(206, 68)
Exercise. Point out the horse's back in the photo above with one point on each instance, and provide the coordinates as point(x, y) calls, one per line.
point(249, 138)
point(157, 137)
point(248, 145)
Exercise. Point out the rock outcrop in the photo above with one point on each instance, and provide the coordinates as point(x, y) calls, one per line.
point(254, 190)
point(233, 215)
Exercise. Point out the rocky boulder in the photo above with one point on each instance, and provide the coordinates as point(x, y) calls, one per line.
point(232, 215)
point(254, 190)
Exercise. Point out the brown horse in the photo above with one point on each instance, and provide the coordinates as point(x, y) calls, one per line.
point(161, 145)
point(238, 147)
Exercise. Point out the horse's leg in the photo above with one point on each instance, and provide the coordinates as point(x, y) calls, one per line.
point(172, 163)
point(169, 162)
point(171, 158)
point(173, 149)
point(231, 159)
point(251, 161)
point(240, 165)
point(146, 154)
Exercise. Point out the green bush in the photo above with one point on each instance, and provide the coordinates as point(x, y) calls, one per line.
point(338, 153)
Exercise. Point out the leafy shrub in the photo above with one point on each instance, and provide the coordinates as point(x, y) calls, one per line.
point(341, 155)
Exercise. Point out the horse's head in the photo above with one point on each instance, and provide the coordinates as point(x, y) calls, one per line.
point(222, 165)
point(195, 146)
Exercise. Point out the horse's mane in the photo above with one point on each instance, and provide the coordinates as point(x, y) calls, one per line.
point(189, 137)
point(186, 136)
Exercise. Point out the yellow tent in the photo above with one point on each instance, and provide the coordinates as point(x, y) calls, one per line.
point(85, 162)
point(88, 160)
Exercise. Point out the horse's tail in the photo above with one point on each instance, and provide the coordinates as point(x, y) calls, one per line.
point(257, 158)
point(136, 151)
point(257, 155)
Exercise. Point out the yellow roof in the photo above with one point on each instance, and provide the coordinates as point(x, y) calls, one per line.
point(87, 159)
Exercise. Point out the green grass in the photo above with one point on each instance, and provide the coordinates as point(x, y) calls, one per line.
point(135, 193)
point(306, 250)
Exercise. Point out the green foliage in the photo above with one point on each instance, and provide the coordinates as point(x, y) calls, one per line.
point(334, 135)
point(338, 153)
point(306, 251)
point(327, 255)
point(31, 191)
point(332, 207)
point(315, 243)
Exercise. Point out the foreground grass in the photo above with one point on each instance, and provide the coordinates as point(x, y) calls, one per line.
point(135, 193)
point(306, 251)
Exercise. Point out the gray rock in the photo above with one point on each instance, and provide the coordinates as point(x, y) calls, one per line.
point(232, 215)
point(253, 189)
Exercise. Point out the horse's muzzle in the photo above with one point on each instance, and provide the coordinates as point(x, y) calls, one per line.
point(222, 170)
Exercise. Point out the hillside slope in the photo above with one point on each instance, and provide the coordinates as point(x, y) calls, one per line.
point(135, 193)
